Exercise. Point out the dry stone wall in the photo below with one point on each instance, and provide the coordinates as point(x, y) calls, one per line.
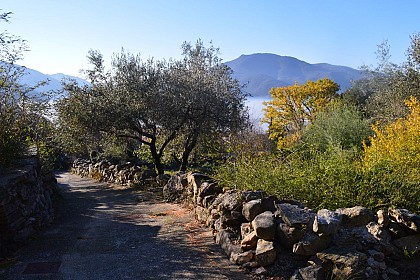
point(264, 233)
point(25, 204)
point(257, 231)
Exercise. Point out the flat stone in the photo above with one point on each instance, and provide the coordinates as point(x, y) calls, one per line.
point(264, 225)
point(250, 241)
point(252, 195)
point(313, 272)
point(355, 216)
point(293, 215)
point(327, 222)
point(265, 254)
point(407, 218)
point(242, 257)
point(347, 262)
point(311, 244)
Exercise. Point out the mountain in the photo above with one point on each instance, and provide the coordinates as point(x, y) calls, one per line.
point(262, 71)
point(32, 77)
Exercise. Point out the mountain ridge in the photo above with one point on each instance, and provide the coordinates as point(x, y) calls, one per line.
point(263, 71)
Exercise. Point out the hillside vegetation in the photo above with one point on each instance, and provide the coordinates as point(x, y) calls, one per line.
point(325, 149)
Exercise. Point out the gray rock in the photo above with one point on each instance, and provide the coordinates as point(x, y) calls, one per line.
point(407, 218)
point(251, 209)
point(249, 242)
point(231, 219)
point(242, 258)
point(313, 272)
point(327, 222)
point(289, 235)
point(355, 216)
point(201, 214)
point(346, 262)
point(209, 188)
point(377, 256)
point(174, 189)
point(293, 215)
point(223, 238)
point(260, 271)
point(231, 200)
point(409, 243)
point(246, 228)
point(311, 244)
point(398, 230)
point(380, 232)
point(265, 254)
point(264, 225)
point(252, 195)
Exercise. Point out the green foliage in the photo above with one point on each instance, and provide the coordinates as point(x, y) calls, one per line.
point(339, 125)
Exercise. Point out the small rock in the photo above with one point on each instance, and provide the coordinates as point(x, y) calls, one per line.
point(260, 271)
point(407, 218)
point(355, 216)
point(252, 195)
point(383, 218)
point(245, 229)
point(265, 254)
point(242, 258)
point(375, 264)
point(379, 232)
point(327, 222)
point(250, 241)
point(342, 257)
point(398, 230)
point(313, 272)
point(250, 265)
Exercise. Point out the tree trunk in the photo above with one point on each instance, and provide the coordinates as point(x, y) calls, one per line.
point(156, 158)
point(189, 146)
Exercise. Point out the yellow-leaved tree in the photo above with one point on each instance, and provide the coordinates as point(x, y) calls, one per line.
point(292, 108)
point(397, 145)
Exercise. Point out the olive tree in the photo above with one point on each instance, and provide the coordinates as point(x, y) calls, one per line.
point(157, 103)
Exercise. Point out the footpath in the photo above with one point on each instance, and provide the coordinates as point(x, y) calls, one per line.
point(104, 231)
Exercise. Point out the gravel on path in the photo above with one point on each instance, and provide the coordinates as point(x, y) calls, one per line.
point(105, 231)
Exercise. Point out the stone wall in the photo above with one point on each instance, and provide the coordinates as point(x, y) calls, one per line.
point(25, 204)
point(122, 174)
point(264, 233)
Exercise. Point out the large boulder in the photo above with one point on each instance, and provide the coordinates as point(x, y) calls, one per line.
point(264, 225)
point(175, 187)
point(230, 200)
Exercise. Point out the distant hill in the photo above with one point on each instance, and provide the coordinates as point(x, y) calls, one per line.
point(262, 71)
point(32, 77)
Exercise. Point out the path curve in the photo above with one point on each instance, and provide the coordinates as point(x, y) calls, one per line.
point(105, 231)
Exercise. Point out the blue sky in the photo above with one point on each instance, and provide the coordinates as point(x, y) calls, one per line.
point(60, 33)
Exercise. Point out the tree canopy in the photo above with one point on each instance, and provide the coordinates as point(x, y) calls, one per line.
point(156, 103)
point(292, 108)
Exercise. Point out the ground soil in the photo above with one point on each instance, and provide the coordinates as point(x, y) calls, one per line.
point(105, 231)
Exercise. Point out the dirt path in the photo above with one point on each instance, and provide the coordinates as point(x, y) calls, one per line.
point(108, 232)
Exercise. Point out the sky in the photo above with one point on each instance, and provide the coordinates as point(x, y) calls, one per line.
point(341, 32)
